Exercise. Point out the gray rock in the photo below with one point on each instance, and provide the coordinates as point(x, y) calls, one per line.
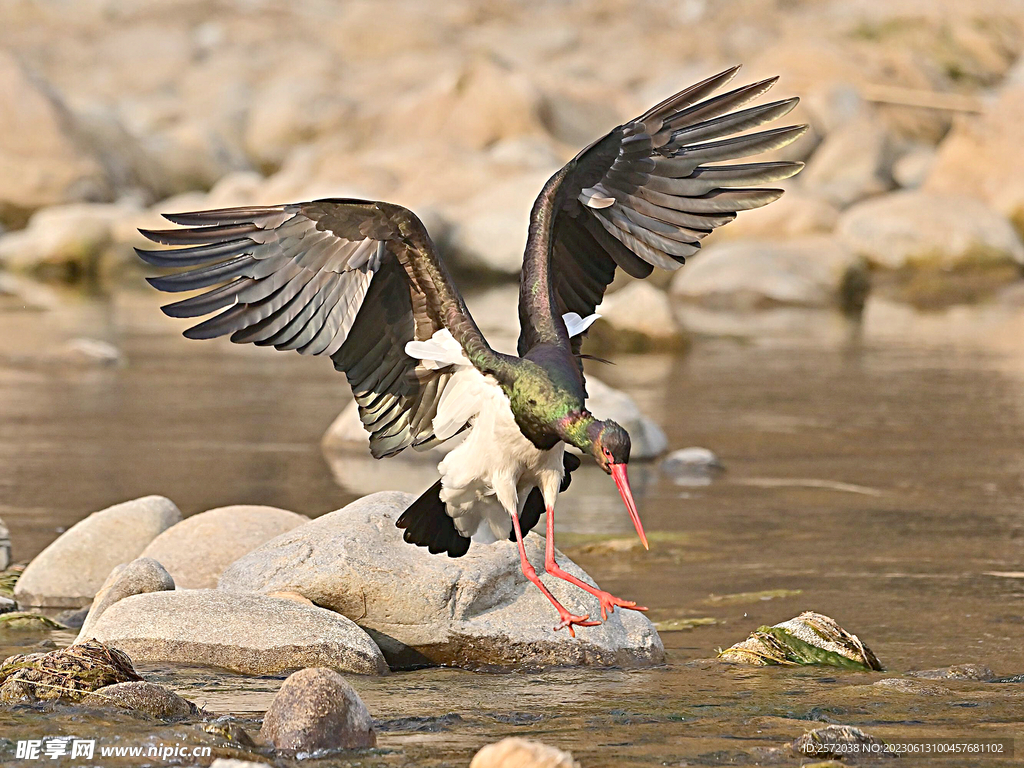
point(316, 710)
point(224, 762)
point(251, 634)
point(853, 162)
point(142, 697)
point(977, 672)
point(923, 229)
point(638, 310)
point(73, 618)
point(198, 549)
point(5, 546)
point(136, 578)
point(69, 572)
point(76, 234)
point(647, 439)
point(522, 753)
point(474, 611)
point(692, 466)
point(812, 271)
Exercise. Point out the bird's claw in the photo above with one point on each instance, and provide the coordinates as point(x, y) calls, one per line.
point(569, 620)
point(610, 602)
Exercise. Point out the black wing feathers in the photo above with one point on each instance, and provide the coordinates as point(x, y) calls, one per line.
point(350, 279)
point(645, 196)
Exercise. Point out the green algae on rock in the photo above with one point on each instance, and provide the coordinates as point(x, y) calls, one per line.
point(810, 638)
point(22, 620)
point(67, 674)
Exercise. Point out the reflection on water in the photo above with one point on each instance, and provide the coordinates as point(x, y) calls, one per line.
point(877, 471)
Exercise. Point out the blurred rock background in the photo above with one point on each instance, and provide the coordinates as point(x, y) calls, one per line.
point(116, 110)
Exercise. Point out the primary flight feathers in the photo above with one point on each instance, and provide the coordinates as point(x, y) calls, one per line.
point(358, 280)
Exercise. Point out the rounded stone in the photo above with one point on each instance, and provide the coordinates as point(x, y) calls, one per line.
point(316, 710)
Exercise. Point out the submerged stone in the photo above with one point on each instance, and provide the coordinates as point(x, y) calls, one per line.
point(475, 611)
point(839, 741)
point(141, 697)
point(810, 638)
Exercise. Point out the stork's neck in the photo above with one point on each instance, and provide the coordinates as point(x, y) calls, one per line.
point(538, 309)
point(578, 429)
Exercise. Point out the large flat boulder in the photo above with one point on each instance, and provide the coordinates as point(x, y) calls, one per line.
point(737, 275)
point(926, 230)
point(247, 633)
point(476, 611)
point(69, 572)
point(198, 549)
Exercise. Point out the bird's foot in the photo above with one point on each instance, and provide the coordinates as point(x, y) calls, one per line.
point(610, 602)
point(569, 620)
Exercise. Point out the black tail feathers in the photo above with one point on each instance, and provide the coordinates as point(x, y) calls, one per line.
point(427, 524)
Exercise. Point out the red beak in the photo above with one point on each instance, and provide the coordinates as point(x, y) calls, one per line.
point(622, 483)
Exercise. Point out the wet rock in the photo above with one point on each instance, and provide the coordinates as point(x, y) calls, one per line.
point(143, 698)
point(489, 232)
point(514, 752)
point(66, 675)
point(7, 605)
point(73, 618)
point(41, 163)
point(474, 611)
point(137, 577)
point(927, 230)
point(69, 572)
point(692, 466)
point(316, 709)
point(70, 239)
point(810, 638)
point(223, 727)
point(224, 762)
point(813, 271)
point(9, 578)
point(31, 622)
point(981, 158)
point(636, 318)
point(647, 439)
point(198, 549)
point(977, 672)
point(831, 740)
point(914, 687)
point(251, 634)
point(5, 546)
point(852, 163)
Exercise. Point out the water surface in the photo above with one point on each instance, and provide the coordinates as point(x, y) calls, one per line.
point(874, 472)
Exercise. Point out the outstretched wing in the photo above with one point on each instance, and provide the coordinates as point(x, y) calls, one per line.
point(350, 279)
point(645, 195)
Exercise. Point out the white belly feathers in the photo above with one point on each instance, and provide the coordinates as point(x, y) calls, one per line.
point(494, 469)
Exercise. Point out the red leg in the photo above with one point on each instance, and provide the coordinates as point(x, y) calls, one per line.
point(567, 619)
point(608, 601)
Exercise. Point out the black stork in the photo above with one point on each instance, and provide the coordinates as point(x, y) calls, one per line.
point(362, 283)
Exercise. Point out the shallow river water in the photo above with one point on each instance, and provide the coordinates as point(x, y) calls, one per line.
point(873, 473)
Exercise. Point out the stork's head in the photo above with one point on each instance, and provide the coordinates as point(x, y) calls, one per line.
point(609, 445)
